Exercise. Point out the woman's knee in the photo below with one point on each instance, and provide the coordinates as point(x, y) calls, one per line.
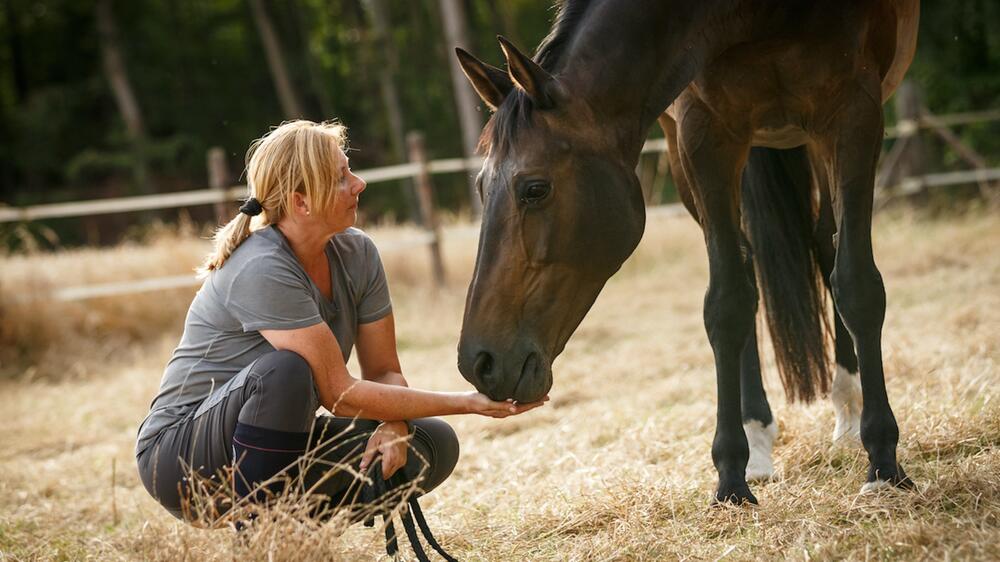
point(285, 373)
point(285, 392)
point(434, 437)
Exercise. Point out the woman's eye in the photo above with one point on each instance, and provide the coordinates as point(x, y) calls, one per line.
point(535, 192)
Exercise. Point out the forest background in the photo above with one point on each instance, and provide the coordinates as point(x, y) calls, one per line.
point(103, 99)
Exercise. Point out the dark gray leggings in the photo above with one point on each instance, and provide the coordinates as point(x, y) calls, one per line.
point(276, 392)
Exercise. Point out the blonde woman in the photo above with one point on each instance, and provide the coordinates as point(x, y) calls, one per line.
point(266, 338)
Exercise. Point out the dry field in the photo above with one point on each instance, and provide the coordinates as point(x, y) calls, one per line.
point(616, 467)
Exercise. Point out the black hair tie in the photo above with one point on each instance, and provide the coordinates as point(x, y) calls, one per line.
point(252, 207)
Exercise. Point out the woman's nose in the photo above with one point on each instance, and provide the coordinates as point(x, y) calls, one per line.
point(359, 185)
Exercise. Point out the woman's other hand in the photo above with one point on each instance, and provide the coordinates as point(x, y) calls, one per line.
point(390, 441)
point(481, 404)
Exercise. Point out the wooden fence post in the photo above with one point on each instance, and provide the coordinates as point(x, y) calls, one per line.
point(903, 164)
point(218, 177)
point(911, 163)
point(425, 200)
point(467, 102)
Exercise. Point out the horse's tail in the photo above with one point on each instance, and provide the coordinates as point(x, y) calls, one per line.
point(778, 219)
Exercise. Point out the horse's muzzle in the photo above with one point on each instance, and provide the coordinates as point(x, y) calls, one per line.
point(524, 376)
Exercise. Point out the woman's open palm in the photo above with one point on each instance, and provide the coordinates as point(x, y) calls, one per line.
point(485, 406)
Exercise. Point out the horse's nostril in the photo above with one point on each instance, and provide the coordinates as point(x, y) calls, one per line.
point(530, 364)
point(484, 364)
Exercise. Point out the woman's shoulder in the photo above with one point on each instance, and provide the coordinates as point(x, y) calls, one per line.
point(260, 252)
point(354, 241)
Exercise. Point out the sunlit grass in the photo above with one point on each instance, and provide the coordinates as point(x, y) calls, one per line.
point(616, 467)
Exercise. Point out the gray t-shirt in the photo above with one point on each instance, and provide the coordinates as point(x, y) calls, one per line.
point(262, 286)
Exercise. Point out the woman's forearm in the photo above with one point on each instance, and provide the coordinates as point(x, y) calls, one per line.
point(391, 402)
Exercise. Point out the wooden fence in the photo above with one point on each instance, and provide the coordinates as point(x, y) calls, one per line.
point(891, 183)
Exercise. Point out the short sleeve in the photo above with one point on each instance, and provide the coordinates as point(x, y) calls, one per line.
point(267, 293)
point(374, 303)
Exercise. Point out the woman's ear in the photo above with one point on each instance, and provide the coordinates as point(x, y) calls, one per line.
point(300, 207)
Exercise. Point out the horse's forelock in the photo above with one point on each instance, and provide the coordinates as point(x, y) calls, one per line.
point(513, 114)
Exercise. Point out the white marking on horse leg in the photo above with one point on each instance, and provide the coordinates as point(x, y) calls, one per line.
point(761, 439)
point(846, 397)
point(875, 486)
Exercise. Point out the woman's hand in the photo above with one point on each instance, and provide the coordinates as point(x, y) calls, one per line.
point(389, 440)
point(481, 404)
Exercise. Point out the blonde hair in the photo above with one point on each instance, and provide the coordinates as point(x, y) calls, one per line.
point(296, 157)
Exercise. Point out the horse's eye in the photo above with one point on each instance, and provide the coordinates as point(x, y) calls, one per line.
point(534, 192)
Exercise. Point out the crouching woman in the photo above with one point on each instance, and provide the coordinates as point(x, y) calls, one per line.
point(289, 291)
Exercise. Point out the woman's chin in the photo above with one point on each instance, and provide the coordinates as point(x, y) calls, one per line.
point(348, 221)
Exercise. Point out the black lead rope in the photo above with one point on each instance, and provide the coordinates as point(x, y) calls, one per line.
point(378, 489)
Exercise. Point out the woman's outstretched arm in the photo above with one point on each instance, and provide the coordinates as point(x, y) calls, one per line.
point(343, 394)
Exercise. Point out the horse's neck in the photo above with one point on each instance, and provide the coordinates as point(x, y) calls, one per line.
point(631, 58)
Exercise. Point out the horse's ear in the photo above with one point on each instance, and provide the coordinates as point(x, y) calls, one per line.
point(491, 83)
point(540, 86)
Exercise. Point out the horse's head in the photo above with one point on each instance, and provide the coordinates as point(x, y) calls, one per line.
point(562, 211)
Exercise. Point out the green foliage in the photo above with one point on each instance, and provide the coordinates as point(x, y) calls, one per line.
point(198, 71)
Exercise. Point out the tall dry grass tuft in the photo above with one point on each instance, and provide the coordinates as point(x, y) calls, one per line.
point(299, 523)
point(42, 337)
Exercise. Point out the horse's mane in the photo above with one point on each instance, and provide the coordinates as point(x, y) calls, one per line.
point(515, 111)
point(553, 47)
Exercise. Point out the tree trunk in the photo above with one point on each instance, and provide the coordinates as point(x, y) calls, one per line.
point(290, 105)
point(503, 21)
point(16, 48)
point(117, 76)
point(319, 88)
point(453, 14)
point(387, 64)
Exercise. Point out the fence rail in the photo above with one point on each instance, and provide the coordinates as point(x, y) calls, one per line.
point(917, 184)
point(420, 170)
point(233, 193)
point(100, 290)
point(903, 128)
point(906, 126)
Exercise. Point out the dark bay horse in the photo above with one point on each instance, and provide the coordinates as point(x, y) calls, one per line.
point(772, 111)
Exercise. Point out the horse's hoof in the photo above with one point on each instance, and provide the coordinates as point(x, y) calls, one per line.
point(739, 496)
point(899, 481)
point(879, 485)
point(760, 467)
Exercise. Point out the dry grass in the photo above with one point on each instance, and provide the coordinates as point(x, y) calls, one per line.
point(616, 467)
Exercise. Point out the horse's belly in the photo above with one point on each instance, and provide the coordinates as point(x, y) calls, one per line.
point(778, 88)
point(788, 136)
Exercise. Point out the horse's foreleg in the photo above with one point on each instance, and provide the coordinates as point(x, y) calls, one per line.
point(712, 160)
point(846, 390)
point(859, 294)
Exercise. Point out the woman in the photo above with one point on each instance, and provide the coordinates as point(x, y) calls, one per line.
point(267, 336)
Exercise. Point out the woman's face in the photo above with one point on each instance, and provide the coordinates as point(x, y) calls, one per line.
point(345, 209)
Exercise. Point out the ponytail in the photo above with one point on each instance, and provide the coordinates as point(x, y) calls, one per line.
point(226, 239)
